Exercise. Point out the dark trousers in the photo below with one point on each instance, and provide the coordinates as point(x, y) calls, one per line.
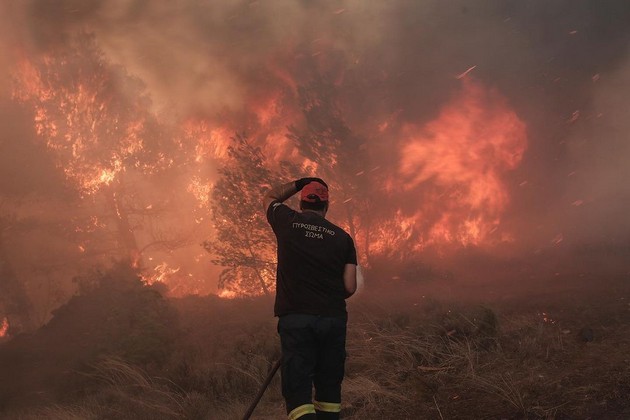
point(313, 354)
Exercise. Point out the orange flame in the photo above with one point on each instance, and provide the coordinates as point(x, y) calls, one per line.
point(227, 294)
point(75, 124)
point(210, 142)
point(4, 327)
point(455, 165)
point(161, 273)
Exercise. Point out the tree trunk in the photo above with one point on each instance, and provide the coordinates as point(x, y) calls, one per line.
point(260, 277)
point(126, 237)
point(262, 282)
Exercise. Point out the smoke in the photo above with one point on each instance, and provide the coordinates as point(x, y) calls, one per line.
point(599, 152)
point(562, 66)
point(217, 55)
point(206, 56)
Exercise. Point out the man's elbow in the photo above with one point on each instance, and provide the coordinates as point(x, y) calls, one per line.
point(267, 200)
point(350, 279)
point(350, 287)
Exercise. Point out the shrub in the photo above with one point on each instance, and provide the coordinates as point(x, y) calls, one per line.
point(114, 315)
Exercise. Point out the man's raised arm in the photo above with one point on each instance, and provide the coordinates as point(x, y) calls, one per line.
point(279, 193)
point(285, 191)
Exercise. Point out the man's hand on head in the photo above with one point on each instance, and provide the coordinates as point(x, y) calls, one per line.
point(279, 193)
point(300, 183)
point(284, 191)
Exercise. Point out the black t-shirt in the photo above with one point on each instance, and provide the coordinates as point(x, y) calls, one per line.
point(312, 254)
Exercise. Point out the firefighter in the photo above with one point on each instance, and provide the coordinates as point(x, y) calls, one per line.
point(317, 266)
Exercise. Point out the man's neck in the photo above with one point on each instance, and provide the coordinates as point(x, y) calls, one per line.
point(318, 212)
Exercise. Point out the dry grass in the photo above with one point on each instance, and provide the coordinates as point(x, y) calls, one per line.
point(446, 360)
point(406, 360)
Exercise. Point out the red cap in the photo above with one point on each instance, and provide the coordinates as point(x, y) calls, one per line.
point(314, 192)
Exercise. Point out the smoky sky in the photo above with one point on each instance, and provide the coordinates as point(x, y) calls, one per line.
point(562, 65)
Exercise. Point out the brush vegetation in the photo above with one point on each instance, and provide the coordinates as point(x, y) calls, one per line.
point(119, 349)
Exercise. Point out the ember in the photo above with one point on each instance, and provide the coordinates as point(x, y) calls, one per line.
point(4, 327)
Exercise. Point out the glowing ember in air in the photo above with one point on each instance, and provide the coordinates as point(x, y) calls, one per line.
point(557, 239)
point(4, 327)
point(454, 166)
point(546, 318)
point(461, 76)
point(574, 116)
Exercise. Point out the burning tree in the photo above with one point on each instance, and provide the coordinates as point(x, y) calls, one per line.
point(446, 186)
point(244, 243)
point(340, 154)
point(97, 122)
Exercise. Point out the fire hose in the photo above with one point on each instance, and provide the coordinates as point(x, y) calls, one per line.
point(262, 390)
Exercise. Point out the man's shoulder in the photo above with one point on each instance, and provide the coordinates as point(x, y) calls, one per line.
point(274, 204)
point(279, 211)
